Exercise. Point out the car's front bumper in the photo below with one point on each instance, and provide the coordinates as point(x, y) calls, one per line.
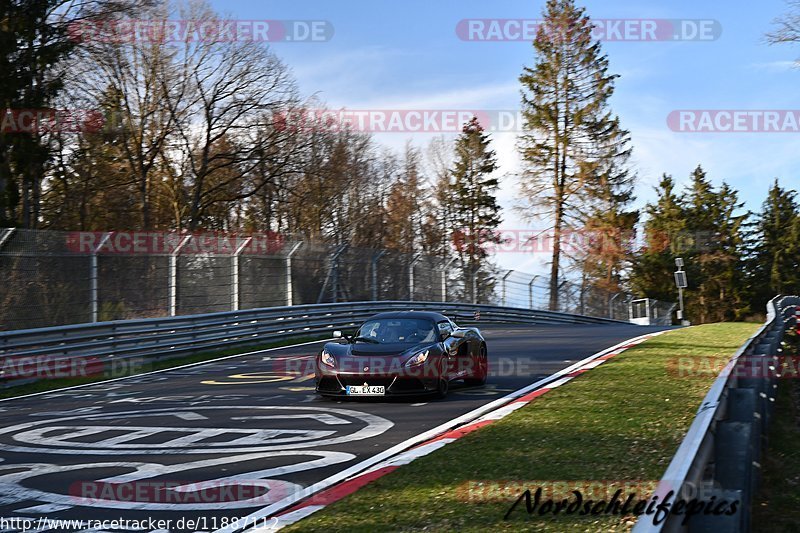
point(335, 384)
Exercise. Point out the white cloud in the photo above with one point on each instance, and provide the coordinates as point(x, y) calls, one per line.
point(775, 66)
point(484, 97)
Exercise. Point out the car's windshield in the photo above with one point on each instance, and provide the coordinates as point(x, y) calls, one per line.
point(397, 330)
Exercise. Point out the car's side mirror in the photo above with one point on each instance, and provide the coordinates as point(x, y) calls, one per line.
point(337, 334)
point(445, 335)
point(459, 334)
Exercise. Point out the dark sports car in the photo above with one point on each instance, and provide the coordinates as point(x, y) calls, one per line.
point(402, 353)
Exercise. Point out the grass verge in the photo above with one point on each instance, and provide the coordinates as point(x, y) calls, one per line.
point(51, 384)
point(616, 426)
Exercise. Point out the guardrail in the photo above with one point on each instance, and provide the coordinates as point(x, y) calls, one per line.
point(719, 456)
point(105, 344)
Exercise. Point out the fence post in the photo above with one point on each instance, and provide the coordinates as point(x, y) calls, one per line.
point(173, 276)
point(504, 286)
point(530, 291)
point(445, 270)
point(289, 287)
point(414, 260)
point(6, 235)
point(582, 302)
point(475, 285)
point(611, 305)
point(335, 272)
point(93, 277)
point(235, 269)
point(560, 306)
point(375, 259)
point(333, 275)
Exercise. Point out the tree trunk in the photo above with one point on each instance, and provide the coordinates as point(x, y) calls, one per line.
point(556, 258)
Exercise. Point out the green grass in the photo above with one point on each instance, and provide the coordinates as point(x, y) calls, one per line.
point(620, 422)
point(777, 506)
point(51, 384)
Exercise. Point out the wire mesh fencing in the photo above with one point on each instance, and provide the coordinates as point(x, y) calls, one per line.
point(56, 278)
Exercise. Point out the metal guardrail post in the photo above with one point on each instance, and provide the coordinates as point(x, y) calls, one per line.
point(235, 274)
point(797, 319)
point(289, 286)
point(173, 276)
point(93, 286)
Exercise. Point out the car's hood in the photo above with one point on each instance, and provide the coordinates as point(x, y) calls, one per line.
point(365, 349)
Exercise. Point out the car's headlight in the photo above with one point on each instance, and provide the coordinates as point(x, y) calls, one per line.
point(327, 359)
point(418, 359)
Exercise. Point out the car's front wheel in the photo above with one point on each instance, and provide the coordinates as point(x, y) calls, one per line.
point(481, 370)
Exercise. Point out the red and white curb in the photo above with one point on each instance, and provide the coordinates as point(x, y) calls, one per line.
point(310, 502)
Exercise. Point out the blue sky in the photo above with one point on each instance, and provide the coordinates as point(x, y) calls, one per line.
point(406, 55)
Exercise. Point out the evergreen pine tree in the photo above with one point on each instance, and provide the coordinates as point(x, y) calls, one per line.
point(704, 226)
point(570, 132)
point(663, 242)
point(775, 263)
point(476, 213)
point(609, 223)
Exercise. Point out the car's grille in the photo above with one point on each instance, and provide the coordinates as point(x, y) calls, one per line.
point(360, 380)
point(403, 385)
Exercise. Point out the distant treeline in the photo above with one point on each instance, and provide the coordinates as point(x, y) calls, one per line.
point(193, 136)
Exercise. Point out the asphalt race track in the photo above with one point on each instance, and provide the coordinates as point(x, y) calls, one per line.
point(221, 440)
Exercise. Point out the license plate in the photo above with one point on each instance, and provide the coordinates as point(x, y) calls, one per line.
point(365, 390)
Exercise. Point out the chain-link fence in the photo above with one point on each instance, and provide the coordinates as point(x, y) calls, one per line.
point(55, 278)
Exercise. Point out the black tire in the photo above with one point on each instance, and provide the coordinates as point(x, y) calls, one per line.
point(327, 397)
point(484, 361)
point(442, 389)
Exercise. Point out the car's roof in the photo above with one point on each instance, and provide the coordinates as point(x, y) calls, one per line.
point(426, 315)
